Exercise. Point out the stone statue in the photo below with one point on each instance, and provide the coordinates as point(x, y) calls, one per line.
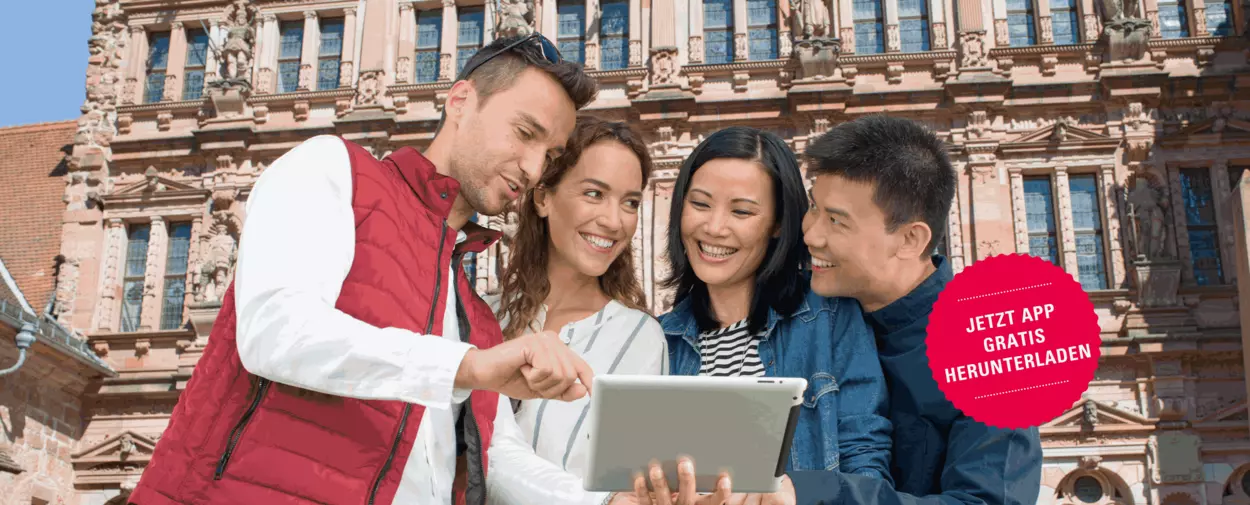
point(514, 20)
point(1090, 412)
point(809, 18)
point(218, 260)
point(1116, 10)
point(126, 446)
point(509, 230)
point(1146, 209)
point(237, 52)
point(1126, 31)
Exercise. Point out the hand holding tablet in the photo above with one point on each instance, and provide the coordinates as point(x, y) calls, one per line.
point(740, 427)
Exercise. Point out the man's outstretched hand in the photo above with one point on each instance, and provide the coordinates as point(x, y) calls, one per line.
point(537, 365)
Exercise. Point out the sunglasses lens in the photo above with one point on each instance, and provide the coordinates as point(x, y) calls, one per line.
point(549, 50)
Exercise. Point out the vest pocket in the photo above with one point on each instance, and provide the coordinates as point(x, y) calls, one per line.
point(237, 432)
point(818, 386)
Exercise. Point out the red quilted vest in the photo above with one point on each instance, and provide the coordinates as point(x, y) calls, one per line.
point(238, 439)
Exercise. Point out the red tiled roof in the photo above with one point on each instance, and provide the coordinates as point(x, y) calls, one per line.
point(31, 169)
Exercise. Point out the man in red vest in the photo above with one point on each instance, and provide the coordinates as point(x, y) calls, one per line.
point(352, 361)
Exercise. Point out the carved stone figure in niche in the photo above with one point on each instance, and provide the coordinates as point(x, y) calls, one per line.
point(1147, 212)
point(1126, 31)
point(369, 87)
point(514, 18)
point(218, 260)
point(237, 51)
point(973, 50)
point(809, 18)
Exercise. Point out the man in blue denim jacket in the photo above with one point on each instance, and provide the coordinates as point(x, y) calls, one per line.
point(882, 190)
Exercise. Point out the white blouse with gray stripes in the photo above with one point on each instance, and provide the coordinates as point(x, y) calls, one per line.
point(615, 340)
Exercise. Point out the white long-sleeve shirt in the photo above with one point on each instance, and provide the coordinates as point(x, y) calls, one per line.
point(614, 340)
point(297, 246)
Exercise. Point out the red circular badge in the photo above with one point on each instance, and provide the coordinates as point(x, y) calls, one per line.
point(1013, 341)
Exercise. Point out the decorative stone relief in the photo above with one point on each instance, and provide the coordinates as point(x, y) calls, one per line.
point(1200, 20)
point(153, 275)
point(306, 77)
point(741, 52)
point(786, 45)
point(115, 241)
point(403, 68)
point(1092, 29)
point(369, 88)
point(592, 56)
point(445, 67)
point(694, 48)
point(635, 52)
point(892, 41)
point(972, 50)
point(978, 124)
point(1002, 37)
point(817, 58)
point(345, 74)
point(847, 36)
point(894, 72)
point(939, 35)
point(1048, 34)
point(663, 66)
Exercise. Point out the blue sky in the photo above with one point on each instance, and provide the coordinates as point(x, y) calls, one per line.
point(45, 66)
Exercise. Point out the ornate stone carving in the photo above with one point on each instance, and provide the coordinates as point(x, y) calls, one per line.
point(972, 50)
point(237, 51)
point(817, 58)
point(66, 289)
point(1089, 413)
point(663, 65)
point(1200, 20)
point(369, 87)
point(1127, 33)
point(1048, 34)
point(978, 124)
point(107, 305)
point(892, 41)
point(741, 52)
point(785, 46)
point(513, 18)
point(894, 72)
point(264, 80)
point(403, 68)
point(694, 48)
point(106, 47)
point(1147, 209)
point(306, 77)
point(1090, 22)
point(635, 53)
point(219, 248)
point(345, 74)
point(939, 35)
point(1002, 37)
point(847, 36)
point(446, 70)
point(592, 56)
point(158, 240)
point(1049, 64)
point(809, 18)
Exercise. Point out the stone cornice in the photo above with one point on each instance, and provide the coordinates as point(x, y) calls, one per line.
point(1042, 49)
point(182, 105)
point(1192, 42)
point(422, 87)
point(704, 68)
point(296, 96)
point(929, 56)
point(623, 73)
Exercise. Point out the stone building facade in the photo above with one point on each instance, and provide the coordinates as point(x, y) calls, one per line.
point(1105, 135)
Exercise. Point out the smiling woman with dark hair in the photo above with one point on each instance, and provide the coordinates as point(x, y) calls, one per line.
point(744, 306)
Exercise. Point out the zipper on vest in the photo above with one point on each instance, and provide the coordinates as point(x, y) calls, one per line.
point(429, 328)
point(237, 432)
point(474, 494)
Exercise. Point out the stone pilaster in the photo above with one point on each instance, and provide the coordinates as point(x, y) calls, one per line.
point(893, 41)
point(1223, 217)
point(1067, 230)
point(347, 70)
point(447, 50)
point(741, 49)
point(1019, 210)
point(1111, 223)
point(106, 318)
point(308, 55)
point(636, 54)
point(407, 43)
point(177, 60)
point(154, 276)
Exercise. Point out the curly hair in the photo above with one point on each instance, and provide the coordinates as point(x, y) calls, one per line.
point(525, 284)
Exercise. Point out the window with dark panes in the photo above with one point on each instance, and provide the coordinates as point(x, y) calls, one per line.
point(614, 35)
point(869, 26)
point(175, 276)
point(762, 29)
point(1204, 243)
point(718, 31)
point(290, 49)
point(1220, 17)
point(132, 275)
point(158, 64)
point(1173, 20)
point(193, 71)
point(1064, 23)
point(1040, 218)
point(469, 39)
point(913, 24)
point(1087, 223)
point(1020, 25)
point(429, 42)
point(330, 53)
point(571, 29)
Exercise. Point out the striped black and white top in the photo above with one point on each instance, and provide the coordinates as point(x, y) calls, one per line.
point(730, 352)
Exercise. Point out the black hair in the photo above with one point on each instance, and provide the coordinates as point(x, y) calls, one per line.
point(780, 283)
point(905, 162)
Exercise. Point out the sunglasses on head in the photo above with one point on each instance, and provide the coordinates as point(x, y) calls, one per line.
point(549, 51)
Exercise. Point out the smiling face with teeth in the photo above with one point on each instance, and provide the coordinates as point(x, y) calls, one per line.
point(592, 211)
point(727, 221)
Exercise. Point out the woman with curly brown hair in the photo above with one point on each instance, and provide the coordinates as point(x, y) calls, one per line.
point(571, 271)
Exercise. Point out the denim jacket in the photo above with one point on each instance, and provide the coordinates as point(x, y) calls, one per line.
point(842, 424)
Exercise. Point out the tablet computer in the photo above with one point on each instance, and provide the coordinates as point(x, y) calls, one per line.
point(739, 425)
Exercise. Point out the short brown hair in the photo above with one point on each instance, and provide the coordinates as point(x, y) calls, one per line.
point(525, 284)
